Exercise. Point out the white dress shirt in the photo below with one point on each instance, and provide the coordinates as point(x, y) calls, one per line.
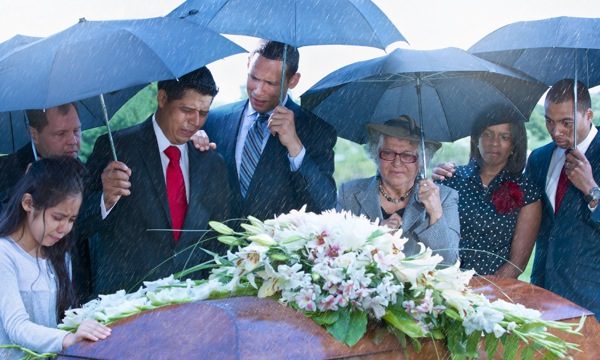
point(248, 119)
point(164, 143)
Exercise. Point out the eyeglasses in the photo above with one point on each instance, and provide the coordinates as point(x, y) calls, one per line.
point(405, 157)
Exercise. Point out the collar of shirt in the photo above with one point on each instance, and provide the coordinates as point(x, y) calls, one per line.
point(164, 143)
point(248, 118)
point(472, 170)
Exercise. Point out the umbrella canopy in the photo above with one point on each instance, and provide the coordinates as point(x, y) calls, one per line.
point(96, 57)
point(13, 129)
point(443, 89)
point(14, 43)
point(13, 124)
point(296, 22)
point(547, 50)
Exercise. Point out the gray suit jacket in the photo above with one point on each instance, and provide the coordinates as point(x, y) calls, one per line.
point(362, 197)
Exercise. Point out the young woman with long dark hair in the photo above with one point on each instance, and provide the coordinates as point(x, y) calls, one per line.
point(35, 236)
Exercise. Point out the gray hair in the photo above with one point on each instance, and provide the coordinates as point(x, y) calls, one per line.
point(375, 143)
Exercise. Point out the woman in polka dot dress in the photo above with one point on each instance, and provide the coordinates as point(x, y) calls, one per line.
point(499, 208)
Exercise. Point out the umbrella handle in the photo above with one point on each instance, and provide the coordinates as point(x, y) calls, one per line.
point(110, 138)
point(423, 172)
point(283, 74)
point(35, 154)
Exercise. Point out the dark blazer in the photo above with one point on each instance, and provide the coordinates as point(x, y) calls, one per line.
point(567, 253)
point(125, 250)
point(361, 197)
point(274, 188)
point(12, 168)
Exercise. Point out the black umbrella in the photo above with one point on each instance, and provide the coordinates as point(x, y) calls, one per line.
point(444, 89)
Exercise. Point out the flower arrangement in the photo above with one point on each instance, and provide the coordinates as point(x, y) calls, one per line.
point(340, 270)
point(508, 198)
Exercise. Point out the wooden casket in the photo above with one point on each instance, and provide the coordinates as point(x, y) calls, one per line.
point(252, 328)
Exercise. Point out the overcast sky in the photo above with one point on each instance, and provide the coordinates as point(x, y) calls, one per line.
point(426, 24)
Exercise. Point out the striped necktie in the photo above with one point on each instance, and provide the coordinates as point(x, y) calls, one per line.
point(252, 151)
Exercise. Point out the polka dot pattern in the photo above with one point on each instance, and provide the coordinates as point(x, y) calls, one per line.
point(486, 235)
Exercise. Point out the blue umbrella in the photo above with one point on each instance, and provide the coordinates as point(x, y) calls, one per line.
point(14, 124)
point(547, 50)
point(15, 43)
point(96, 57)
point(444, 89)
point(296, 22)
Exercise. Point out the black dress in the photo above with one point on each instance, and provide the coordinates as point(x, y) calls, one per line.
point(488, 215)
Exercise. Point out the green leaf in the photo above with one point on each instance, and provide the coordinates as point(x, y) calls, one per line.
point(399, 335)
point(358, 327)
point(324, 318)
point(349, 327)
point(527, 353)
point(278, 256)
point(453, 314)
point(491, 344)
point(403, 322)
point(379, 334)
point(375, 234)
point(472, 343)
point(416, 344)
point(511, 346)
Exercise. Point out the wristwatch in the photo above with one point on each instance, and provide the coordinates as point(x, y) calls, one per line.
point(594, 195)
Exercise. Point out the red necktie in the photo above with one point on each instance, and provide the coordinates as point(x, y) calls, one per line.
point(175, 190)
point(561, 188)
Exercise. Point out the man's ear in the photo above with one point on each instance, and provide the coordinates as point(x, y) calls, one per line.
point(34, 134)
point(589, 115)
point(294, 81)
point(27, 202)
point(161, 98)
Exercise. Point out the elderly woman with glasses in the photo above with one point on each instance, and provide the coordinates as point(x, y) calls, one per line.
point(425, 212)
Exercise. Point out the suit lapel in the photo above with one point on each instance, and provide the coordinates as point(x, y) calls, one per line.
point(368, 199)
point(541, 175)
point(150, 158)
point(414, 212)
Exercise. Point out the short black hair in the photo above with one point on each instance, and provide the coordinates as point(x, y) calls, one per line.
point(200, 80)
point(273, 50)
point(37, 117)
point(563, 90)
point(501, 114)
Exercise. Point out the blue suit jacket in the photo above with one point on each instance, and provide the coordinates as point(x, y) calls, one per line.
point(124, 252)
point(567, 254)
point(274, 188)
point(361, 197)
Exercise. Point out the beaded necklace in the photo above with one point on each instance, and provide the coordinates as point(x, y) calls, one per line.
point(391, 199)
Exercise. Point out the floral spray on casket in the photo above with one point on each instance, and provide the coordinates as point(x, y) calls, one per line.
point(340, 270)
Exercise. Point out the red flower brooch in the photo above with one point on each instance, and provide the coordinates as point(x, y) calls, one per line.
point(508, 198)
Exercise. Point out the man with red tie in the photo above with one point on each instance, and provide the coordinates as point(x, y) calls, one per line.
point(567, 255)
point(151, 208)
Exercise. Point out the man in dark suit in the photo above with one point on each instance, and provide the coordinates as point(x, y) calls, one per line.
point(294, 149)
point(135, 203)
point(55, 131)
point(567, 254)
